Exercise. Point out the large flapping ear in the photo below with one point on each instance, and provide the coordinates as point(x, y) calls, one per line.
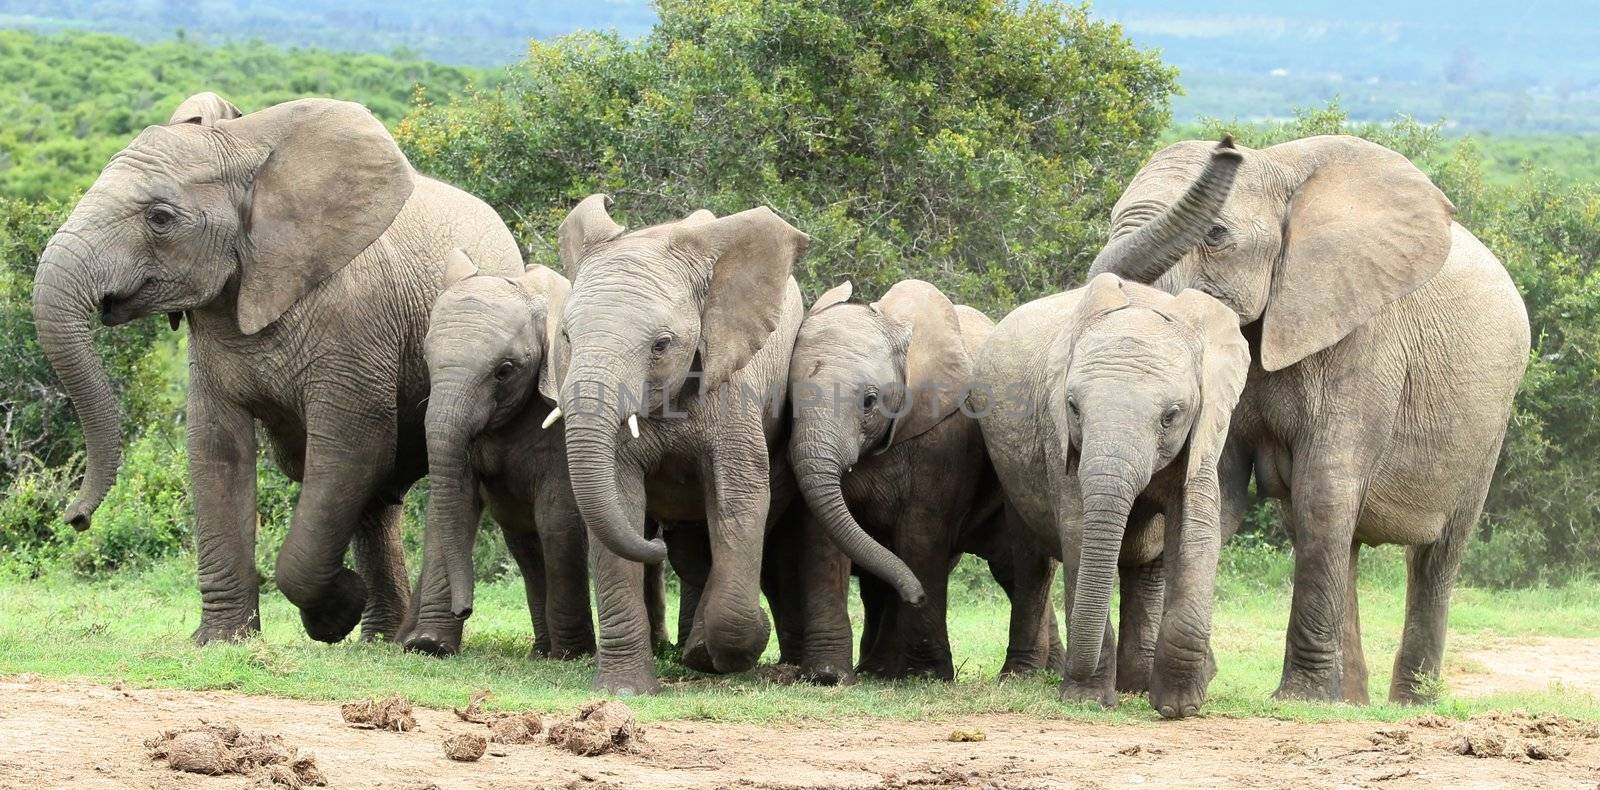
point(457, 267)
point(332, 182)
point(1224, 365)
point(544, 284)
point(751, 254)
point(1364, 229)
point(1102, 295)
point(205, 109)
point(937, 367)
point(587, 224)
point(838, 294)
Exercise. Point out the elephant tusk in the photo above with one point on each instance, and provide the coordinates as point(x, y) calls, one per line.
point(633, 425)
point(551, 418)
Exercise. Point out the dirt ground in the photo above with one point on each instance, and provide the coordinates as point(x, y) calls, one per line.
point(82, 735)
point(1528, 664)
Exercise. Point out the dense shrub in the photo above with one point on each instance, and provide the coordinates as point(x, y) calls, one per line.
point(979, 145)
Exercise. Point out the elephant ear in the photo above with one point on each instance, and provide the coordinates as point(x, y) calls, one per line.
point(697, 217)
point(205, 109)
point(1102, 295)
point(588, 224)
point(546, 285)
point(937, 367)
point(1364, 229)
point(1224, 365)
point(838, 294)
point(332, 182)
point(751, 254)
point(457, 267)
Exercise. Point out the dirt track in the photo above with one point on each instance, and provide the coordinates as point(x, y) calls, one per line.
point(80, 735)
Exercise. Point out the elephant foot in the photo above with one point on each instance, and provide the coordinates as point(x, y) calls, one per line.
point(433, 640)
point(1017, 666)
point(1098, 692)
point(1177, 700)
point(627, 683)
point(1298, 685)
point(828, 673)
point(1057, 660)
point(561, 652)
point(1134, 680)
point(211, 632)
point(334, 619)
point(387, 629)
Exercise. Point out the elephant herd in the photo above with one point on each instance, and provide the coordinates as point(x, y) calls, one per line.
point(1306, 316)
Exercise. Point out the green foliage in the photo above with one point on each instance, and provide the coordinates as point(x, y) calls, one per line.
point(71, 101)
point(978, 145)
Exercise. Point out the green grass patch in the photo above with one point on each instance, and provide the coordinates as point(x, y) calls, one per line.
point(134, 628)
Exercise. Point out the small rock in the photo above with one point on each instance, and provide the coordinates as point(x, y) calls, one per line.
point(967, 736)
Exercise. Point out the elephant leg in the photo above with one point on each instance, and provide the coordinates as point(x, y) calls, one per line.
point(380, 558)
point(526, 551)
point(1354, 676)
point(222, 477)
point(564, 546)
point(1143, 588)
point(879, 653)
point(341, 478)
point(782, 580)
point(689, 551)
point(730, 630)
point(1027, 648)
point(825, 574)
point(922, 631)
point(625, 662)
point(1054, 650)
point(1325, 515)
point(1430, 578)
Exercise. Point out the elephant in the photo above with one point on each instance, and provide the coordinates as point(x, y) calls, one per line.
point(883, 455)
point(1106, 410)
point(305, 253)
point(1387, 344)
point(672, 357)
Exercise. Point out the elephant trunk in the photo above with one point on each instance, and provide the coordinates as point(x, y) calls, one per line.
point(1151, 250)
point(452, 515)
point(1110, 483)
point(818, 466)
point(66, 296)
point(592, 423)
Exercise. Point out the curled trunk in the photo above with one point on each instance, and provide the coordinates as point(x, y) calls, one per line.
point(65, 300)
point(592, 423)
point(820, 483)
point(1148, 252)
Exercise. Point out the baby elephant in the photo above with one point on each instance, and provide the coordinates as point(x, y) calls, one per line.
point(487, 369)
point(898, 478)
point(1106, 412)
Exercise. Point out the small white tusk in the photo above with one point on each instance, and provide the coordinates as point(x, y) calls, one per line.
point(633, 425)
point(551, 418)
point(849, 469)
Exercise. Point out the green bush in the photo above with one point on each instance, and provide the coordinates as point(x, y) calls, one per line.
point(975, 144)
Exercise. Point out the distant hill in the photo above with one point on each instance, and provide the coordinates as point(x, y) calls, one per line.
point(1495, 66)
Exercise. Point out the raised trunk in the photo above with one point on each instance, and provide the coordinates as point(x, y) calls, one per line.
point(593, 422)
point(452, 517)
point(65, 299)
point(820, 470)
point(1108, 497)
point(1148, 252)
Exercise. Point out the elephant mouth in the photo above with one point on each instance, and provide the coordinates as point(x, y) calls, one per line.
point(120, 308)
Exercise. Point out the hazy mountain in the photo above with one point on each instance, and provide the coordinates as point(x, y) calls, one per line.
point(1481, 64)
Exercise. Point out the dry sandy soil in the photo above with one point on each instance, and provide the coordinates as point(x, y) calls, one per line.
point(81, 735)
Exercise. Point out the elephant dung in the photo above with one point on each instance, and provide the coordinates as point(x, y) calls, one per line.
point(393, 713)
point(465, 747)
point(516, 729)
point(216, 749)
point(600, 727)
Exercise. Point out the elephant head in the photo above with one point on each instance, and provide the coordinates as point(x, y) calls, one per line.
point(1140, 379)
point(486, 348)
point(252, 211)
point(648, 308)
point(1312, 237)
point(864, 378)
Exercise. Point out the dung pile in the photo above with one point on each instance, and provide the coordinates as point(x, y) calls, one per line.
point(1512, 736)
point(512, 729)
point(465, 747)
point(601, 726)
point(217, 749)
point(393, 713)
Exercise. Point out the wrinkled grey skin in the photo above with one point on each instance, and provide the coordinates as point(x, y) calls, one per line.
point(705, 293)
point(305, 253)
point(930, 496)
point(486, 351)
point(1106, 409)
point(1387, 344)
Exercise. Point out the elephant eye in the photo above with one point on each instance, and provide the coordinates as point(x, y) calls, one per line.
point(869, 399)
point(1072, 406)
point(503, 372)
point(1216, 235)
point(160, 217)
point(1171, 415)
point(660, 346)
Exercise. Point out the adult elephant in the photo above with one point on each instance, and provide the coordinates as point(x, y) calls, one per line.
point(305, 253)
point(707, 295)
point(1387, 346)
point(900, 481)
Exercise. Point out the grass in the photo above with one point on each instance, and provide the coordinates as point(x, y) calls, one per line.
point(134, 628)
